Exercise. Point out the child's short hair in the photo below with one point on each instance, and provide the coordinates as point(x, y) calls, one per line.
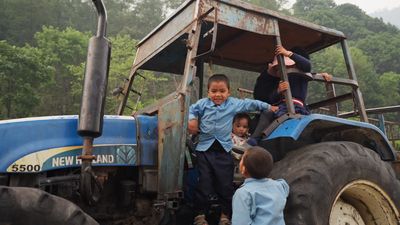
point(218, 78)
point(240, 116)
point(258, 162)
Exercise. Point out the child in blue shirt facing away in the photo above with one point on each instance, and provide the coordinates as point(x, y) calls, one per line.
point(214, 161)
point(260, 200)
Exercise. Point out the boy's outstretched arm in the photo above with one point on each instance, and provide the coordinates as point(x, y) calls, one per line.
point(249, 105)
point(273, 108)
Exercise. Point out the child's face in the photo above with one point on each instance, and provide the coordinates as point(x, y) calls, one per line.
point(218, 92)
point(240, 127)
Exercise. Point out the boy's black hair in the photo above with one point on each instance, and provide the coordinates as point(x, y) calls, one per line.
point(218, 78)
point(240, 116)
point(258, 162)
point(300, 51)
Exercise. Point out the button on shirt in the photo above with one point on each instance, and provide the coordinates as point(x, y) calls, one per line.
point(216, 120)
point(260, 202)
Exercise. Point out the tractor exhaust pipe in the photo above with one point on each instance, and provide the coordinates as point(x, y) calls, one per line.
point(93, 99)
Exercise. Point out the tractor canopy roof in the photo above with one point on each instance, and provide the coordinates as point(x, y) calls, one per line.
point(233, 33)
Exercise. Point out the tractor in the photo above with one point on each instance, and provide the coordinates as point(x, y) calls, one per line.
point(138, 169)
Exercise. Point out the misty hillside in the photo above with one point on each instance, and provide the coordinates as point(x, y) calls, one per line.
point(390, 16)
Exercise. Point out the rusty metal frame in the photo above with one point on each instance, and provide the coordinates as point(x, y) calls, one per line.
point(172, 109)
point(214, 32)
point(379, 110)
point(136, 65)
point(330, 101)
point(171, 121)
point(270, 27)
point(358, 99)
point(284, 76)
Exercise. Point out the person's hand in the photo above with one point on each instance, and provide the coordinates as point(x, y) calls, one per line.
point(280, 50)
point(273, 108)
point(283, 86)
point(193, 126)
point(326, 76)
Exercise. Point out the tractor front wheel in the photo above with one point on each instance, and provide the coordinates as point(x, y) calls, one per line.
point(30, 206)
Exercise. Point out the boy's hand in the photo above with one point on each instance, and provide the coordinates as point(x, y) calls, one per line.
point(283, 86)
point(273, 108)
point(280, 50)
point(193, 126)
point(326, 76)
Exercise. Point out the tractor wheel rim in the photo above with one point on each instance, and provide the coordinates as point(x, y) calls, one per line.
point(362, 202)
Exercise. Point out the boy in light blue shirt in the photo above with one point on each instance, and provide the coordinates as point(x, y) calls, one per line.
point(260, 200)
point(214, 161)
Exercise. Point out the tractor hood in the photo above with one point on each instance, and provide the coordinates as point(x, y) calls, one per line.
point(39, 144)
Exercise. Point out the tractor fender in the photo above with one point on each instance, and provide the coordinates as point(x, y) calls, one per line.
point(316, 128)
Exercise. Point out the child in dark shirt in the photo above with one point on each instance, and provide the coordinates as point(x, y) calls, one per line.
point(269, 87)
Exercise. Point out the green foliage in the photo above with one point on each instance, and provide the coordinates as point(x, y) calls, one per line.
point(122, 56)
point(48, 76)
point(21, 74)
point(367, 78)
point(376, 51)
point(123, 52)
point(390, 86)
point(348, 18)
point(331, 61)
point(148, 13)
point(21, 19)
point(302, 7)
point(383, 49)
point(269, 4)
point(60, 51)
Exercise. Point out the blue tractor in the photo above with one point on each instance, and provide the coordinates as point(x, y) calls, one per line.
point(135, 169)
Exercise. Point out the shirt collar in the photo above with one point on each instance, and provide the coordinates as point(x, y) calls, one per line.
point(250, 180)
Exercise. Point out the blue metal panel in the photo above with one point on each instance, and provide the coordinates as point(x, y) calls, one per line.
point(148, 133)
point(382, 123)
point(294, 127)
point(375, 139)
point(55, 140)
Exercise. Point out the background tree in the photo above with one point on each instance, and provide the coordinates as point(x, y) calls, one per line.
point(390, 86)
point(303, 7)
point(383, 49)
point(331, 61)
point(21, 19)
point(22, 73)
point(60, 50)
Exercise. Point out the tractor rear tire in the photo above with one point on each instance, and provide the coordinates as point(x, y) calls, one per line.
point(30, 206)
point(339, 183)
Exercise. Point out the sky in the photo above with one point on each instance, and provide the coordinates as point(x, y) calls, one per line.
point(369, 6)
